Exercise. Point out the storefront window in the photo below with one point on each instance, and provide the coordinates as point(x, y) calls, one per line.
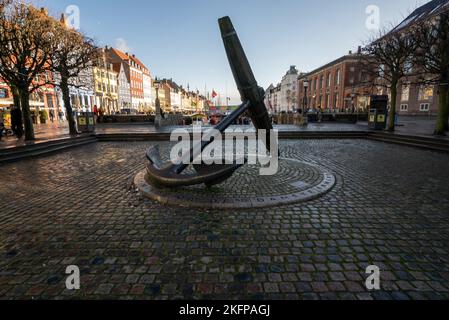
point(3, 93)
point(50, 101)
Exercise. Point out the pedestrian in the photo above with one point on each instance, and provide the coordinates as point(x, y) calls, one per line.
point(16, 121)
point(320, 115)
point(100, 114)
point(52, 116)
point(61, 116)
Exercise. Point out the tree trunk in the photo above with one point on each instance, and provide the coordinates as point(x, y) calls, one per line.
point(446, 123)
point(392, 116)
point(26, 113)
point(16, 96)
point(443, 110)
point(68, 107)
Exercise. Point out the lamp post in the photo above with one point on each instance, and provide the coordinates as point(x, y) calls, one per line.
point(306, 87)
point(158, 118)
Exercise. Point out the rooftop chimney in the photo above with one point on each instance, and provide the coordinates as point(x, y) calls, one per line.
point(359, 50)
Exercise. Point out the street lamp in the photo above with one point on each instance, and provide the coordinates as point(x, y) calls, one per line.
point(306, 87)
point(158, 118)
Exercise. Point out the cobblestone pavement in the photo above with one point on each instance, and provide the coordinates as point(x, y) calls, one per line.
point(390, 208)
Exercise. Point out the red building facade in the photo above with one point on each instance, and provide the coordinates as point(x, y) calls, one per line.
point(340, 85)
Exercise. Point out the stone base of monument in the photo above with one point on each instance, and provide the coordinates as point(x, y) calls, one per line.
point(295, 182)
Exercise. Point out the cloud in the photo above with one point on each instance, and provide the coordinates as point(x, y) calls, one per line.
point(122, 45)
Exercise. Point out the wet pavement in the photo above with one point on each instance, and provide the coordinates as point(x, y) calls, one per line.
point(418, 126)
point(390, 208)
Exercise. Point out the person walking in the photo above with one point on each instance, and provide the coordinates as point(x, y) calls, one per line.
point(61, 116)
point(320, 115)
point(95, 113)
point(52, 116)
point(16, 121)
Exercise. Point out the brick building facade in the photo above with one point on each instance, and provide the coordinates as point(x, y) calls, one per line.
point(340, 85)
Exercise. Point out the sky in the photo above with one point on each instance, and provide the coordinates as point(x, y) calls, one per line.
point(180, 39)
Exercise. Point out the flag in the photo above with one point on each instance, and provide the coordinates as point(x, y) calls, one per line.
point(214, 94)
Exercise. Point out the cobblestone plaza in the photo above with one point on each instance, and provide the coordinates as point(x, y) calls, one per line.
point(389, 207)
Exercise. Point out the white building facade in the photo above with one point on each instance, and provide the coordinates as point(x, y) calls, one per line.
point(289, 91)
point(82, 96)
point(148, 97)
point(124, 87)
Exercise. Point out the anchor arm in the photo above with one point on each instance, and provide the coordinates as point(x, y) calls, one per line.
point(221, 127)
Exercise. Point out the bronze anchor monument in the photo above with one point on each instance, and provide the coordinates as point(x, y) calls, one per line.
point(169, 175)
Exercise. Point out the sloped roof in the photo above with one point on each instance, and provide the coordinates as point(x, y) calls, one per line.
point(424, 12)
point(121, 54)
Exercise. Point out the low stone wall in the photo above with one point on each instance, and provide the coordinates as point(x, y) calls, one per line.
point(338, 117)
point(126, 119)
point(289, 119)
point(168, 120)
point(172, 120)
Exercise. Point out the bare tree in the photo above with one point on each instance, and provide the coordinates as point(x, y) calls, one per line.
point(389, 61)
point(26, 45)
point(72, 62)
point(433, 58)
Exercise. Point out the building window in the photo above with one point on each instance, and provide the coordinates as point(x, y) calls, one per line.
point(337, 79)
point(405, 94)
point(408, 66)
point(322, 82)
point(382, 71)
point(3, 93)
point(404, 107)
point(337, 103)
point(425, 93)
point(424, 107)
point(329, 79)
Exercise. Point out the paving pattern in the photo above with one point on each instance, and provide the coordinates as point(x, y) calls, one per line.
point(389, 207)
point(294, 182)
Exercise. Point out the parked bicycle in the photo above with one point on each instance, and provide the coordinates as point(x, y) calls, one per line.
point(5, 131)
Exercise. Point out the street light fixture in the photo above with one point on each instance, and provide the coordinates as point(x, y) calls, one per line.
point(306, 87)
point(158, 118)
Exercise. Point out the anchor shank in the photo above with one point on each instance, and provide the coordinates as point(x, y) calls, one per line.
point(221, 127)
point(244, 77)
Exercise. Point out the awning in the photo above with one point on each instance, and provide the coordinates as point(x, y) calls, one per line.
point(8, 102)
point(36, 104)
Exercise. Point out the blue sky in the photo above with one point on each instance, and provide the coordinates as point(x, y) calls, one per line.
point(180, 39)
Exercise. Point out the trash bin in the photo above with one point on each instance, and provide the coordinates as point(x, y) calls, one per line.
point(378, 113)
point(86, 122)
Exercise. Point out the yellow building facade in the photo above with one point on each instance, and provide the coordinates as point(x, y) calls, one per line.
point(106, 86)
